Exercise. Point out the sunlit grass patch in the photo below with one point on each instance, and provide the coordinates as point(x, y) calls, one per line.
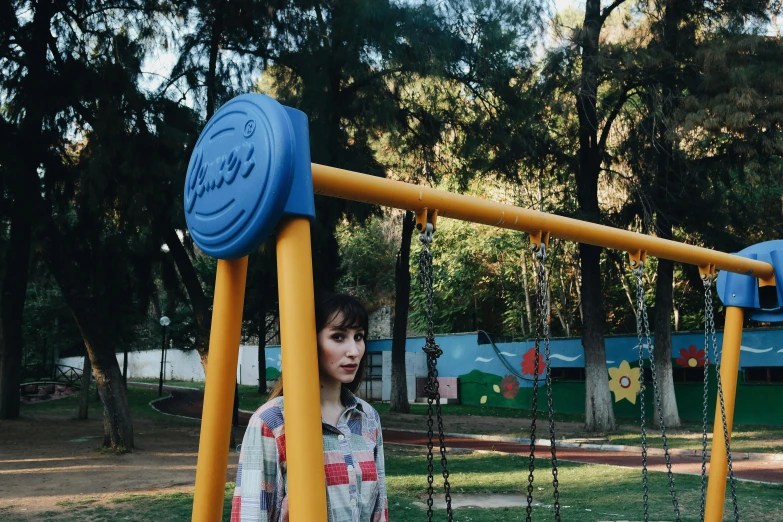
point(587, 492)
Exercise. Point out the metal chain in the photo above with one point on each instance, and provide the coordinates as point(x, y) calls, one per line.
point(433, 351)
point(710, 325)
point(543, 317)
point(642, 321)
point(532, 462)
point(705, 397)
point(642, 388)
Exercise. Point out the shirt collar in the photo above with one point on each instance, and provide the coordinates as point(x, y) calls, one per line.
point(349, 400)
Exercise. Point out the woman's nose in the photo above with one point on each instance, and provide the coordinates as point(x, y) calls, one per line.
point(354, 348)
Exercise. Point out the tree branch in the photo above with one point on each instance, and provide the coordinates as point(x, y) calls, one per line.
point(618, 106)
point(608, 10)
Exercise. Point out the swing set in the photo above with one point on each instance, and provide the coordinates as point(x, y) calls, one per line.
point(250, 176)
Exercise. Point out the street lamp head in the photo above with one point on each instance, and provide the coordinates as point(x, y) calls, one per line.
point(165, 321)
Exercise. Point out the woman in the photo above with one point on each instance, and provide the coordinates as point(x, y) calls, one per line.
point(353, 446)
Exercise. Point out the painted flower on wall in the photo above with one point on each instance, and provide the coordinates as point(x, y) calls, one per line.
point(529, 362)
point(624, 382)
point(691, 358)
point(509, 386)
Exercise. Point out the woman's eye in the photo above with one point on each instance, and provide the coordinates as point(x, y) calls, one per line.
point(337, 337)
point(358, 337)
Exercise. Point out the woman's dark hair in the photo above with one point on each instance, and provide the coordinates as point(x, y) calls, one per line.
point(327, 308)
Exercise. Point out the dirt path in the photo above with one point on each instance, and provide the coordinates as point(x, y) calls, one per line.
point(49, 460)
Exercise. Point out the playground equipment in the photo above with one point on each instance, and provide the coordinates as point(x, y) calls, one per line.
point(250, 175)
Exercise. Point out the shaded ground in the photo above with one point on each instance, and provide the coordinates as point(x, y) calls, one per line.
point(49, 460)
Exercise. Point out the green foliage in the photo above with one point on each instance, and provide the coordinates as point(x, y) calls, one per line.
point(368, 253)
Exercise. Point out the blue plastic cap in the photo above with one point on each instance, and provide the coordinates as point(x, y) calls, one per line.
point(743, 291)
point(300, 200)
point(241, 175)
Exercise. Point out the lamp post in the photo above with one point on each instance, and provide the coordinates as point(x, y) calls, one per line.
point(164, 322)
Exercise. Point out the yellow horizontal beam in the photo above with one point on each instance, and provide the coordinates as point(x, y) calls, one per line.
point(345, 184)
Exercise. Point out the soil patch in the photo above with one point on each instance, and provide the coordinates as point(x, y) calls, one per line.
point(50, 460)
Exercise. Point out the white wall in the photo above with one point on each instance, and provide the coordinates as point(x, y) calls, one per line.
point(180, 365)
point(415, 366)
point(247, 368)
point(186, 366)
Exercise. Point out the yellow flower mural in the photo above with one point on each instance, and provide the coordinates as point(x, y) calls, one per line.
point(624, 382)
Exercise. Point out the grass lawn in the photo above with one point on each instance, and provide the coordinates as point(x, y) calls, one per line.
point(249, 399)
point(745, 438)
point(165, 507)
point(138, 399)
point(588, 493)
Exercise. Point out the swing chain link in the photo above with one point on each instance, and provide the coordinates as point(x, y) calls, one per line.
point(708, 315)
point(536, 355)
point(543, 306)
point(710, 326)
point(542, 330)
point(639, 326)
point(433, 351)
point(643, 321)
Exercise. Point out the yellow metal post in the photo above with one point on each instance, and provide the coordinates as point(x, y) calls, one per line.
point(301, 392)
point(219, 391)
point(719, 468)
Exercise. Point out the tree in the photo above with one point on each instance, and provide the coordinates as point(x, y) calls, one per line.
point(596, 116)
point(31, 39)
point(666, 173)
point(402, 282)
point(85, 197)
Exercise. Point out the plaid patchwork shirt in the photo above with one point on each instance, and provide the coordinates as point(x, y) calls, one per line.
point(353, 464)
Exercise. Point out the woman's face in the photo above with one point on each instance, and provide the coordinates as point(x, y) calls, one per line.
point(339, 351)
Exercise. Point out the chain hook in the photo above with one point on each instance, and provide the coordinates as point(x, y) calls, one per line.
point(707, 273)
point(638, 260)
point(426, 235)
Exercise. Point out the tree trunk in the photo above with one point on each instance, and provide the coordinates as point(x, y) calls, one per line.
point(84, 392)
point(528, 308)
point(198, 301)
point(22, 185)
point(599, 415)
point(87, 310)
point(663, 343)
point(14, 294)
point(402, 278)
point(232, 443)
point(214, 47)
point(666, 166)
point(125, 365)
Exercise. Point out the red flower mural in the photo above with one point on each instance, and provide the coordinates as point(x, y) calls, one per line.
point(509, 386)
point(691, 358)
point(529, 362)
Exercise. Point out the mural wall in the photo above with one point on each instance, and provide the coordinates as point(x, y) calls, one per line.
point(502, 376)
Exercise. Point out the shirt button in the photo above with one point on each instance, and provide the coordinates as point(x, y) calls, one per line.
point(341, 437)
point(353, 502)
point(350, 468)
